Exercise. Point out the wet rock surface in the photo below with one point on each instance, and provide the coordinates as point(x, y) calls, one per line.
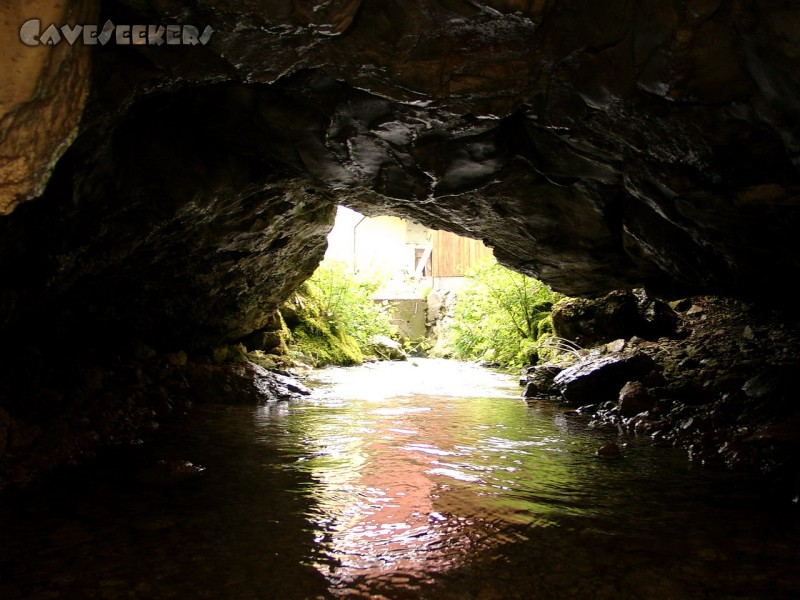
point(598, 378)
point(618, 315)
point(178, 195)
point(538, 380)
point(724, 393)
point(242, 383)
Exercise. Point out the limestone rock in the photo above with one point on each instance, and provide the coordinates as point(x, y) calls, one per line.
point(42, 95)
point(438, 322)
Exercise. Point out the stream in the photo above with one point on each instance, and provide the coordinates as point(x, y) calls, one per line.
point(419, 479)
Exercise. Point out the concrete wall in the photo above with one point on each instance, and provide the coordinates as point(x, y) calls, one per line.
point(410, 317)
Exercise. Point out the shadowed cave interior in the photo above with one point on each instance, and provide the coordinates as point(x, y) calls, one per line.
point(160, 203)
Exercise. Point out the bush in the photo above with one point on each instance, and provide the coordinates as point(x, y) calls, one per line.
point(500, 315)
point(333, 317)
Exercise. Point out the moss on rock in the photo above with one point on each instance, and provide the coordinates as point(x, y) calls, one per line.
point(313, 335)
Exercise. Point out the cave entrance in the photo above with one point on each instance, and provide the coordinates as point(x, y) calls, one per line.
point(416, 270)
point(402, 249)
point(390, 287)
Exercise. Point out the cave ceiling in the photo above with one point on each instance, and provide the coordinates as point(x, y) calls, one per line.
point(188, 188)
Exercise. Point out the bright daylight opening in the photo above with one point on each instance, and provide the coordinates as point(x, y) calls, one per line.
point(390, 288)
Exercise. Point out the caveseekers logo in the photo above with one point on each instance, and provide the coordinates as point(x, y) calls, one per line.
point(31, 34)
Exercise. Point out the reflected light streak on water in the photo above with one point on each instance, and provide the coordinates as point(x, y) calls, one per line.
point(415, 467)
point(397, 481)
point(428, 468)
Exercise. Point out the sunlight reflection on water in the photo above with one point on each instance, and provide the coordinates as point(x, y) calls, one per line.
point(372, 488)
point(433, 467)
point(412, 469)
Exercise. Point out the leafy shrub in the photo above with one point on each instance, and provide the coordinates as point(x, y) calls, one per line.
point(333, 317)
point(501, 315)
point(347, 302)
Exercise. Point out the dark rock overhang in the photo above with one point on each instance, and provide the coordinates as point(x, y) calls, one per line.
point(595, 146)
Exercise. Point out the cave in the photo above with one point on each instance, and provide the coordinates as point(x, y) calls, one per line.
point(158, 202)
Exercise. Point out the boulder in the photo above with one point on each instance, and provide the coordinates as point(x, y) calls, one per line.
point(634, 398)
point(618, 315)
point(387, 348)
point(241, 383)
point(599, 379)
point(539, 381)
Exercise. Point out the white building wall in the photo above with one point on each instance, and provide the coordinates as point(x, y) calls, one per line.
point(371, 244)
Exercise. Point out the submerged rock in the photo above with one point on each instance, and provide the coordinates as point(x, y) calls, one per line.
point(170, 472)
point(610, 450)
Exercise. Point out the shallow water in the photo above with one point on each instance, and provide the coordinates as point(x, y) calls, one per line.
point(428, 479)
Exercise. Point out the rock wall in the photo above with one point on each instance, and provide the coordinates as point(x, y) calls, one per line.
point(594, 146)
point(176, 194)
point(182, 236)
point(42, 94)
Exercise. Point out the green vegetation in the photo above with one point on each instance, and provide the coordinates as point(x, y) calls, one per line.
point(502, 316)
point(333, 318)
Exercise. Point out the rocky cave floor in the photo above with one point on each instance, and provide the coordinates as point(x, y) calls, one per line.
point(723, 387)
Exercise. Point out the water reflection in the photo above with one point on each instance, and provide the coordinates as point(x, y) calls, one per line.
point(411, 485)
point(411, 488)
point(375, 488)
